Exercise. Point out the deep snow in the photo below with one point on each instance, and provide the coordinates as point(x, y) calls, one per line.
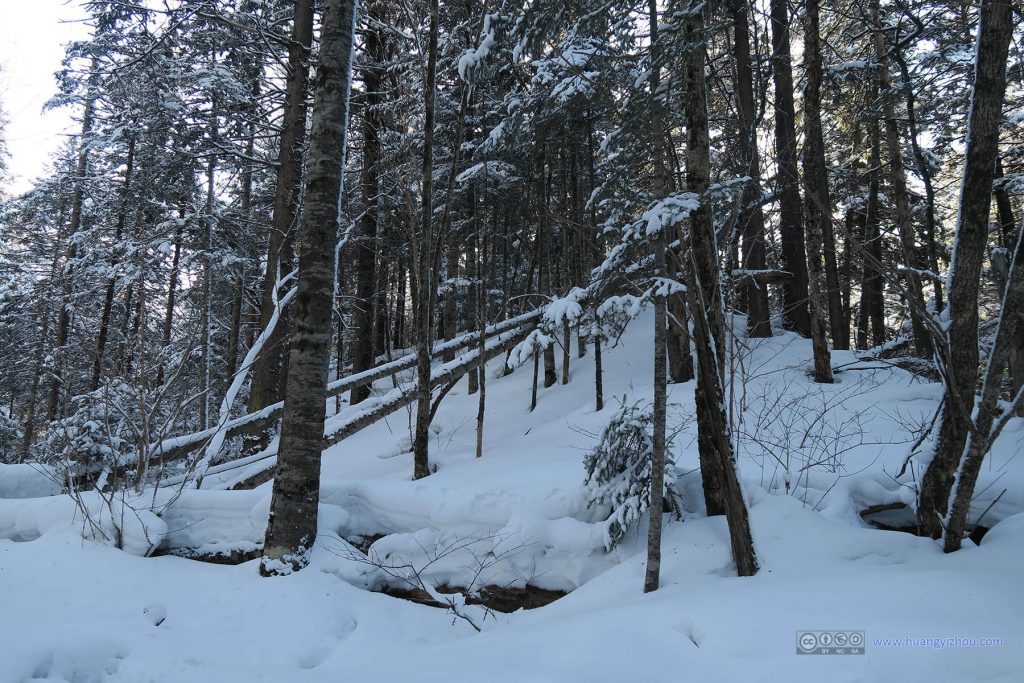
point(77, 610)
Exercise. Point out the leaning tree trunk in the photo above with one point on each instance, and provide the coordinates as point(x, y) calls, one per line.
point(266, 380)
point(898, 178)
point(751, 216)
point(795, 313)
point(424, 265)
point(704, 293)
point(961, 361)
point(293, 508)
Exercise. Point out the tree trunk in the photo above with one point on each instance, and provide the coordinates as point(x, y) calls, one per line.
point(898, 178)
point(365, 246)
point(293, 508)
point(267, 380)
point(704, 294)
point(795, 293)
point(172, 290)
point(1011, 235)
point(961, 365)
point(543, 257)
point(986, 428)
point(424, 264)
point(206, 320)
point(108, 296)
point(923, 170)
point(819, 199)
point(481, 314)
point(751, 216)
point(819, 207)
point(655, 503)
point(64, 315)
point(872, 303)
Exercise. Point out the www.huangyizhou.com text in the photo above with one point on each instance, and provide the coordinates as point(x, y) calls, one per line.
point(939, 643)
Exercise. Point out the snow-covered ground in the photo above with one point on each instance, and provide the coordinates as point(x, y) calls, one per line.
point(76, 610)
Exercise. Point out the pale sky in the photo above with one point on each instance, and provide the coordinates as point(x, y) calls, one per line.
point(32, 38)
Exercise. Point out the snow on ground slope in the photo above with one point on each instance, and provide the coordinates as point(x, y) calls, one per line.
point(75, 610)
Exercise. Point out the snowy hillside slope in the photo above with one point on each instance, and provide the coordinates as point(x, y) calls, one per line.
point(811, 457)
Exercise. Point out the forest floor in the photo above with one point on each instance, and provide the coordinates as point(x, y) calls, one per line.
point(812, 457)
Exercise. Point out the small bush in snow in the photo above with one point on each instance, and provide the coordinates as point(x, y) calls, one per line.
point(619, 470)
point(104, 430)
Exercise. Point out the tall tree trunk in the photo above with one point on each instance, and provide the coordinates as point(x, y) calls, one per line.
point(238, 284)
point(704, 294)
point(925, 172)
point(990, 419)
point(1010, 236)
point(424, 264)
point(365, 246)
point(108, 296)
point(751, 216)
point(206, 319)
point(819, 207)
point(898, 178)
point(481, 315)
point(961, 364)
point(172, 290)
point(293, 507)
point(795, 293)
point(67, 288)
point(819, 199)
point(267, 381)
point(543, 257)
point(661, 190)
point(872, 301)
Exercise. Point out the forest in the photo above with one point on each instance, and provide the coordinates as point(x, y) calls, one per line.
point(398, 339)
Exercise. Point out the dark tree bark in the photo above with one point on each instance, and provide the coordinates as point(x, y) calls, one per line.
point(961, 363)
point(293, 508)
point(661, 190)
point(990, 419)
point(819, 199)
point(898, 179)
point(543, 257)
point(172, 290)
point(206, 319)
point(751, 216)
point(704, 294)
point(365, 245)
point(924, 171)
point(795, 293)
point(67, 287)
point(819, 207)
point(1010, 235)
point(108, 296)
point(424, 264)
point(266, 372)
point(871, 328)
